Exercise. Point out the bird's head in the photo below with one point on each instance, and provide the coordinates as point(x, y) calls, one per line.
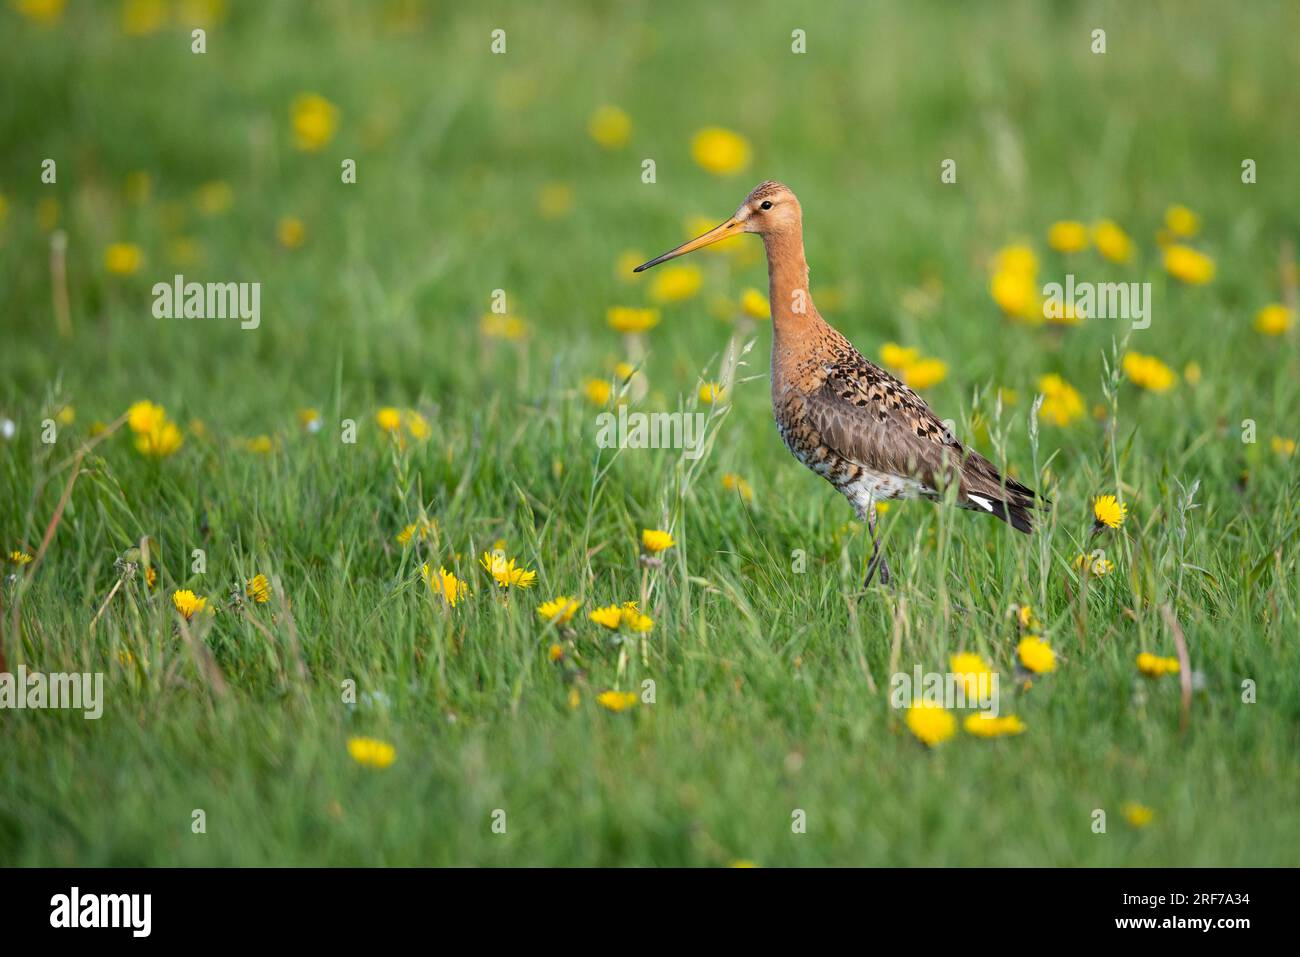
point(770, 209)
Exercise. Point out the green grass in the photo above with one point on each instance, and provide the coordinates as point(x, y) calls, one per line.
point(771, 685)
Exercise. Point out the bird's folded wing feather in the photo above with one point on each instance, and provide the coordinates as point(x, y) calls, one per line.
point(870, 418)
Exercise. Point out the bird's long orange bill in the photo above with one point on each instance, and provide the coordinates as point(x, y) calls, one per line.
point(715, 235)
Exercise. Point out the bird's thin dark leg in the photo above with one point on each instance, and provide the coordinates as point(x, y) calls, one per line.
point(877, 562)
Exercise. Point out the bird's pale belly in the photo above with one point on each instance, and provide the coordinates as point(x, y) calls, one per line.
point(860, 485)
point(872, 487)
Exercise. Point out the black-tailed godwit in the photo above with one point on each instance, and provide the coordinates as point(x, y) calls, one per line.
point(842, 415)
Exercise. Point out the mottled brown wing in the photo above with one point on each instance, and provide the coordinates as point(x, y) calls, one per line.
point(869, 417)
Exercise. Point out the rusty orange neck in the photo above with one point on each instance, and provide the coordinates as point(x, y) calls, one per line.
point(796, 324)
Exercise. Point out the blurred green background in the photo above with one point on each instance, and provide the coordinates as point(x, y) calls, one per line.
point(479, 171)
point(454, 146)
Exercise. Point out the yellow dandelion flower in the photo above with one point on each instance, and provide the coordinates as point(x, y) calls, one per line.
point(1283, 446)
point(925, 373)
point(898, 357)
point(260, 445)
point(559, 610)
point(720, 151)
point(1017, 295)
point(616, 700)
point(1274, 319)
point(1153, 666)
point(734, 483)
point(931, 723)
point(150, 577)
point(44, 12)
point(1109, 511)
point(444, 584)
point(1014, 284)
point(987, 726)
point(389, 419)
point(506, 573)
point(371, 752)
point(627, 319)
point(259, 589)
point(973, 673)
point(637, 622)
point(1062, 403)
point(214, 198)
point(711, 393)
point(554, 653)
point(314, 120)
point(291, 232)
point(188, 603)
point(416, 424)
point(66, 415)
point(655, 541)
point(1188, 265)
point(1138, 815)
point(1026, 617)
point(1016, 259)
point(310, 420)
point(123, 259)
point(1036, 655)
point(162, 440)
point(624, 371)
point(1112, 242)
point(420, 530)
point(755, 305)
point(1096, 564)
point(20, 558)
point(597, 391)
point(1068, 236)
point(611, 616)
point(610, 127)
point(1181, 221)
point(1148, 372)
point(633, 620)
point(676, 284)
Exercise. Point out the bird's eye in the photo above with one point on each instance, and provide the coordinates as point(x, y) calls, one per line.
point(767, 204)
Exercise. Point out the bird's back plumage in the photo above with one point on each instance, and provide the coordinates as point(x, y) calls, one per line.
point(874, 438)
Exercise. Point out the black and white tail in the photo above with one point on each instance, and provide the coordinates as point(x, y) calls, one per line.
point(984, 489)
